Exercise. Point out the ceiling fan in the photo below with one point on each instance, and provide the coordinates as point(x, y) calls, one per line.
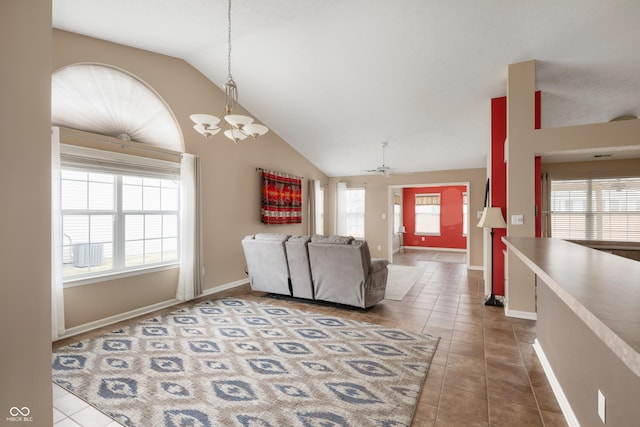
point(384, 169)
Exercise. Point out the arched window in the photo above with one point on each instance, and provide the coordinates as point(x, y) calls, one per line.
point(107, 101)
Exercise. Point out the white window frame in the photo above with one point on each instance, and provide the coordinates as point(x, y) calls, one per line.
point(397, 213)
point(598, 209)
point(120, 165)
point(348, 213)
point(433, 211)
point(356, 213)
point(319, 207)
point(465, 213)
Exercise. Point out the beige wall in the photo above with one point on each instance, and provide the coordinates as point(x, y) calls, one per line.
point(523, 143)
point(230, 182)
point(573, 351)
point(597, 168)
point(85, 304)
point(25, 173)
point(378, 201)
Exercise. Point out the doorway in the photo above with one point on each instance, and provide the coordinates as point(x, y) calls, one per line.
point(429, 217)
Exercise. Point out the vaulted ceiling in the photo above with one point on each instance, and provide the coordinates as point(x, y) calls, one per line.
point(336, 78)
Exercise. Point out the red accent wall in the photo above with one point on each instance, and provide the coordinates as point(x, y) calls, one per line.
point(499, 181)
point(538, 172)
point(538, 195)
point(451, 218)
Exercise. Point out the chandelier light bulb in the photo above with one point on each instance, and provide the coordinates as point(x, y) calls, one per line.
point(235, 135)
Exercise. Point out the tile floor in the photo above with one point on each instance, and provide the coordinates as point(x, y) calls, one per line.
point(484, 372)
point(70, 411)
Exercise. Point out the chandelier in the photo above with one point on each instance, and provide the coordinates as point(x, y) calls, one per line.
point(238, 126)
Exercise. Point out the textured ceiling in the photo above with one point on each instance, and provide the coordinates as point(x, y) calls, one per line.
point(336, 78)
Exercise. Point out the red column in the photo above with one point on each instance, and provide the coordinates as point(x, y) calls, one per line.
point(499, 182)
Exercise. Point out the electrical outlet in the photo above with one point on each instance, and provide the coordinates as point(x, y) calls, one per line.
point(379, 247)
point(423, 238)
point(601, 406)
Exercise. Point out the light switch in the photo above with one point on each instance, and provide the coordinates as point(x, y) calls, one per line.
point(517, 219)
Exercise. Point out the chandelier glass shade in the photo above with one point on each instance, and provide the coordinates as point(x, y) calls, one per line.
point(237, 126)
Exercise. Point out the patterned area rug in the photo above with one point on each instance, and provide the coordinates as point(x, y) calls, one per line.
point(235, 362)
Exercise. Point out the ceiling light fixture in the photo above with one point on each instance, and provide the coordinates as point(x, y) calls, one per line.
point(239, 126)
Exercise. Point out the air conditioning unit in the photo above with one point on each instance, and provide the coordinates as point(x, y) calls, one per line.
point(87, 254)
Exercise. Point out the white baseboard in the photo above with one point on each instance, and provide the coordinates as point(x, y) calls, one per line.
point(143, 310)
point(116, 318)
point(225, 287)
point(569, 416)
point(520, 314)
point(426, 248)
point(475, 267)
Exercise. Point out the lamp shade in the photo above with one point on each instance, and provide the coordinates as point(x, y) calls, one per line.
point(492, 218)
point(255, 130)
point(235, 135)
point(238, 120)
point(207, 131)
point(206, 120)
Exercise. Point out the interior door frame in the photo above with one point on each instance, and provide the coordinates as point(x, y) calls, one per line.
point(390, 190)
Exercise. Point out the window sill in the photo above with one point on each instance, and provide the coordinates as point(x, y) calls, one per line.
point(72, 283)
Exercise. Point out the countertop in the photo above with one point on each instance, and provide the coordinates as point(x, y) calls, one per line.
point(600, 288)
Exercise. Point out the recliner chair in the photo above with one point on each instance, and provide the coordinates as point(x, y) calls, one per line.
point(267, 263)
point(299, 268)
point(343, 271)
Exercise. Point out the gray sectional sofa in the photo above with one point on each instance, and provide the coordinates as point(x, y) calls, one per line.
point(336, 269)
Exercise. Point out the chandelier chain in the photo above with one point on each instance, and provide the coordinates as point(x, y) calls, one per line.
point(229, 40)
point(240, 126)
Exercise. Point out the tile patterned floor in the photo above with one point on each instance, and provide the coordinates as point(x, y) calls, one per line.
point(484, 373)
point(70, 411)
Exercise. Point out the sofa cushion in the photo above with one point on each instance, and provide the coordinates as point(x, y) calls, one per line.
point(272, 236)
point(341, 240)
point(299, 239)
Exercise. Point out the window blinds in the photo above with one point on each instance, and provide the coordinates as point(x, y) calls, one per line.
point(117, 163)
point(605, 209)
point(428, 200)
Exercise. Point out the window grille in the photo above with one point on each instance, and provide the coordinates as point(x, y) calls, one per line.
point(119, 212)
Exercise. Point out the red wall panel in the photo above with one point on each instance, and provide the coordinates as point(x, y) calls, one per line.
point(499, 181)
point(538, 195)
point(450, 218)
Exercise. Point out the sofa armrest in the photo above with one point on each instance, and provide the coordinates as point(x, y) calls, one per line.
point(378, 264)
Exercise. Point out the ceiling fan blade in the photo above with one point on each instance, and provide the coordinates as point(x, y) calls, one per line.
point(383, 169)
